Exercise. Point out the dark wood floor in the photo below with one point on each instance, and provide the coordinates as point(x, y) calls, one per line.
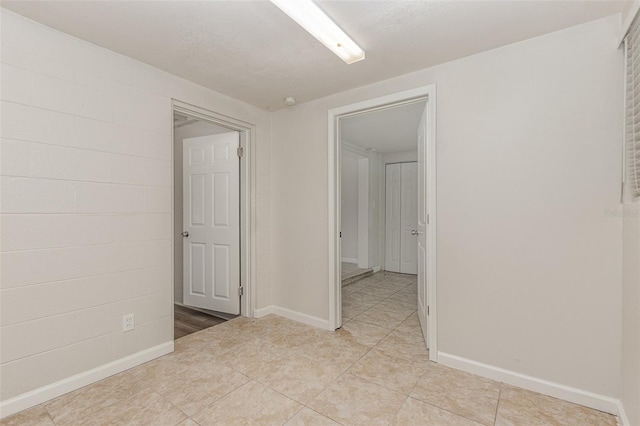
point(187, 321)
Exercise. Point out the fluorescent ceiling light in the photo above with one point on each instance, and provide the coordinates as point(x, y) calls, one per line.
point(318, 24)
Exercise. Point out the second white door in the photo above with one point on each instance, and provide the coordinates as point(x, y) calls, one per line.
point(401, 248)
point(211, 172)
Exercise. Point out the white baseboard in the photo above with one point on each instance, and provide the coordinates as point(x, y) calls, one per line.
point(556, 390)
point(349, 260)
point(54, 390)
point(293, 315)
point(300, 317)
point(262, 312)
point(623, 420)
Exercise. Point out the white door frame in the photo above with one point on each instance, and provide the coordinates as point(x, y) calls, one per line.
point(247, 198)
point(335, 283)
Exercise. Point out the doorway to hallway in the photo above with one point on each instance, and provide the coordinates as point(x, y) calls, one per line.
point(214, 214)
point(206, 219)
point(422, 140)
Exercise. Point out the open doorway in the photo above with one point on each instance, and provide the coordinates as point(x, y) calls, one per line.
point(382, 185)
point(203, 293)
point(211, 226)
point(379, 217)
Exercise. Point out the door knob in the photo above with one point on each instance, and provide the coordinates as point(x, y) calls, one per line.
point(185, 234)
point(414, 232)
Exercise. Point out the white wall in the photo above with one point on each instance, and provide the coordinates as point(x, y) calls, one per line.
point(376, 200)
point(86, 203)
point(193, 130)
point(349, 205)
point(369, 221)
point(631, 315)
point(630, 361)
point(528, 160)
point(363, 212)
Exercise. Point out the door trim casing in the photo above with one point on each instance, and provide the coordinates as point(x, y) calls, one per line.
point(248, 243)
point(334, 282)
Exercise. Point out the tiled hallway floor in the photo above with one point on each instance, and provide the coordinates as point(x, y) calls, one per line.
point(350, 273)
point(275, 371)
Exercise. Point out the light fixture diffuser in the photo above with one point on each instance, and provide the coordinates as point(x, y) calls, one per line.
point(313, 19)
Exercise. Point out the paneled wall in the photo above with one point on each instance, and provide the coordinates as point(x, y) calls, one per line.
point(87, 203)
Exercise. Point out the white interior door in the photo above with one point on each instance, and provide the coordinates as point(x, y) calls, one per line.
point(409, 219)
point(211, 191)
point(422, 222)
point(401, 211)
point(393, 234)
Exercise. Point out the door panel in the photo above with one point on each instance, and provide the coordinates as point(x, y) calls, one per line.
point(197, 155)
point(221, 284)
point(197, 251)
point(409, 218)
point(220, 153)
point(221, 207)
point(401, 218)
point(395, 245)
point(197, 188)
point(211, 172)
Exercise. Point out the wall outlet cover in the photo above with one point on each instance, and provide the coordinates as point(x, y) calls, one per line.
point(127, 322)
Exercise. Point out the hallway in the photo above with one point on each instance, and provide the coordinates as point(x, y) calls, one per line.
point(351, 273)
point(384, 299)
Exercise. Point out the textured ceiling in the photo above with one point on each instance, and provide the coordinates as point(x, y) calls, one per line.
point(389, 130)
point(252, 51)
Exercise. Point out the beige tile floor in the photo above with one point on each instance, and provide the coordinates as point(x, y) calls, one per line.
point(274, 371)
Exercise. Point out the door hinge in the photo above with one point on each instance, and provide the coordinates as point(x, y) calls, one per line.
point(427, 310)
point(340, 234)
point(240, 151)
point(427, 219)
point(240, 291)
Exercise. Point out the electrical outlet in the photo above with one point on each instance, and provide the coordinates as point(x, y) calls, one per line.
point(127, 322)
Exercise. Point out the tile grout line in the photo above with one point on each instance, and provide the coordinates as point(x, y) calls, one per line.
point(297, 412)
point(223, 396)
point(495, 417)
point(48, 414)
point(340, 423)
point(447, 410)
point(381, 301)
